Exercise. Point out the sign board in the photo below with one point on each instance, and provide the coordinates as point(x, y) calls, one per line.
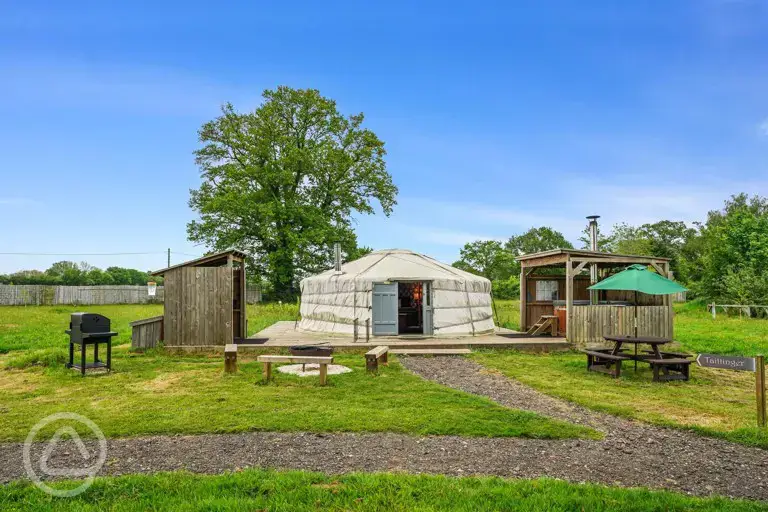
point(151, 288)
point(747, 364)
point(726, 362)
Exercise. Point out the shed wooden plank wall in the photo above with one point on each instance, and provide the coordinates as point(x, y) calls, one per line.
point(146, 333)
point(580, 292)
point(198, 306)
point(591, 323)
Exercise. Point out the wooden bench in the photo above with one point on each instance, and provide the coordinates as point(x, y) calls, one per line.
point(322, 361)
point(373, 356)
point(601, 362)
point(230, 358)
point(663, 367)
point(678, 355)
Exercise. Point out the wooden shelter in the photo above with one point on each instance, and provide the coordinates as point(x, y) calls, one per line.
point(554, 283)
point(204, 301)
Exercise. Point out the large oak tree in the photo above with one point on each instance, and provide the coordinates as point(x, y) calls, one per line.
point(283, 182)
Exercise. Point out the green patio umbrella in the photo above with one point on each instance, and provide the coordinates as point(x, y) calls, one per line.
point(638, 278)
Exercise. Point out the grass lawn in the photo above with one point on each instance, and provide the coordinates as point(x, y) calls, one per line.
point(715, 402)
point(158, 393)
point(507, 313)
point(38, 327)
point(296, 491)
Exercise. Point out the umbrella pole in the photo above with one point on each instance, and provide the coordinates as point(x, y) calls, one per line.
point(635, 329)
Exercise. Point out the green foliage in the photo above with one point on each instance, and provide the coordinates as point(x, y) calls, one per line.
point(282, 183)
point(665, 239)
point(80, 274)
point(734, 252)
point(494, 261)
point(537, 240)
point(296, 491)
point(506, 289)
point(486, 258)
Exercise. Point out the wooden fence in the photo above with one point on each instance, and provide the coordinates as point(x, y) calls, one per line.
point(748, 310)
point(42, 295)
point(591, 323)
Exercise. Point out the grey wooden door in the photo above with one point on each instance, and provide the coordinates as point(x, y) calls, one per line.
point(384, 309)
point(427, 306)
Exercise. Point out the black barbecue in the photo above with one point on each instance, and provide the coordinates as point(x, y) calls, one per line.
point(89, 329)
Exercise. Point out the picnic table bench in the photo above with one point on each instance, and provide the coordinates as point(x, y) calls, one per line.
point(662, 368)
point(602, 360)
point(322, 361)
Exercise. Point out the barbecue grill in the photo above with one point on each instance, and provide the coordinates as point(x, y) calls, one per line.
point(89, 329)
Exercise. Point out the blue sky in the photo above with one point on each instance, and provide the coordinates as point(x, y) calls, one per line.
point(496, 116)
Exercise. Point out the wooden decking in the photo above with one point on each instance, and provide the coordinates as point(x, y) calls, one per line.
point(283, 334)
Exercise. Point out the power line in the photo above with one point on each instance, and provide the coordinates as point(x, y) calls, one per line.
point(79, 253)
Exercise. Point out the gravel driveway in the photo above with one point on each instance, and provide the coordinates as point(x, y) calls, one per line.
point(632, 454)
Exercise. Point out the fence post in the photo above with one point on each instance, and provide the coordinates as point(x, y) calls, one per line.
point(354, 338)
point(367, 331)
point(714, 311)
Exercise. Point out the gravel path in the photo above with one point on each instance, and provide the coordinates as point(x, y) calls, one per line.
point(632, 454)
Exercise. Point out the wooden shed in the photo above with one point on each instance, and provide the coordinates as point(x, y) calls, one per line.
point(555, 283)
point(204, 301)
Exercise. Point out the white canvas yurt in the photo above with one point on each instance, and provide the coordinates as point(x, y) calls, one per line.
point(398, 292)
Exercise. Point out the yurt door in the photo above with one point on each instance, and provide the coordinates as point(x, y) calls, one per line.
point(427, 306)
point(384, 309)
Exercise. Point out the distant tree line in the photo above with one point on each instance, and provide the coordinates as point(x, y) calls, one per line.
point(723, 259)
point(80, 274)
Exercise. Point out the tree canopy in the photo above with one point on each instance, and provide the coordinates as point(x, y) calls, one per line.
point(537, 240)
point(282, 183)
point(80, 274)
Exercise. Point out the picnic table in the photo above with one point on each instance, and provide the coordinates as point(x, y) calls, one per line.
point(653, 341)
point(661, 362)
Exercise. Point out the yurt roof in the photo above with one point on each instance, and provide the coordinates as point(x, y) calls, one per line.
point(397, 264)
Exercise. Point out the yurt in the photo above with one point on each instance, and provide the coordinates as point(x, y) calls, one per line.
point(396, 292)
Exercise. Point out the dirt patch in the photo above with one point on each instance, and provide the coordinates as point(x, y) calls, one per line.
point(11, 326)
point(16, 381)
point(162, 382)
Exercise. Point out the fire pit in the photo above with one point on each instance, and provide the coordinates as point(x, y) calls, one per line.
point(310, 351)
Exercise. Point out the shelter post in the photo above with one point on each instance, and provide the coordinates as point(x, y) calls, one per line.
point(523, 298)
point(568, 298)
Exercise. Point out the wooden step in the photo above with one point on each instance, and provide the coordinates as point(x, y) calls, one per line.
point(430, 351)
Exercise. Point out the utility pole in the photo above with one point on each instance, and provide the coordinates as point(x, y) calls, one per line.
point(169, 257)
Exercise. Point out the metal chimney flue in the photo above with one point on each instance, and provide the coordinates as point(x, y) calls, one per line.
point(337, 257)
point(593, 231)
point(593, 296)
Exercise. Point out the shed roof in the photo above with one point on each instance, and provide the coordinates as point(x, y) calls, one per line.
point(588, 254)
point(211, 260)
